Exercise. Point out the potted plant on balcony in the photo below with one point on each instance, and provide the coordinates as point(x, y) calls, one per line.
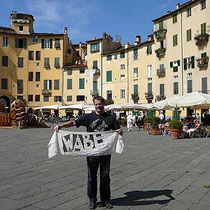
point(147, 121)
point(175, 128)
point(155, 126)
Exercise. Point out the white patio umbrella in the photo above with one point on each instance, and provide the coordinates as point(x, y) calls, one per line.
point(77, 106)
point(167, 103)
point(195, 100)
point(56, 107)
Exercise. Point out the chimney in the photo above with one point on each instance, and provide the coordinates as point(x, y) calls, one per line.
point(168, 12)
point(127, 45)
point(104, 35)
point(94, 38)
point(65, 30)
point(138, 40)
point(177, 6)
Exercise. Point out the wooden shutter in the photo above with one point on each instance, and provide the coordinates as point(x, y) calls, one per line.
point(50, 43)
point(24, 43)
point(185, 63)
point(193, 62)
point(171, 64)
point(16, 43)
point(43, 44)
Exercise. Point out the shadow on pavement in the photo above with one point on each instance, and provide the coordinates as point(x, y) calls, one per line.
point(132, 198)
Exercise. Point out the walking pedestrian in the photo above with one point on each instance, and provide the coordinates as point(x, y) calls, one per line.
point(98, 121)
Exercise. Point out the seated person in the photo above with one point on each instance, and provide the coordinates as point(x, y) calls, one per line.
point(192, 126)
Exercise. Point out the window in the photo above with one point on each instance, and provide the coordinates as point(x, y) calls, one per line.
point(95, 64)
point(135, 89)
point(20, 43)
point(30, 76)
point(80, 98)
point(122, 93)
point(162, 67)
point(56, 84)
point(82, 71)
point(162, 89)
point(69, 71)
point(77, 53)
point(37, 97)
point(122, 77)
point(31, 55)
point(149, 70)
point(56, 62)
point(175, 89)
point(122, 55)
point(57, 43)
point(160, 25)
point(203, 4)
point(57, 98)
point(203, 55)
point(135, 72)
point(20, 98)
point(188, 11)
point(115, 56)
point(69, 84)
point(189, 35)
point(47, 84)
point(34, 39)
point(109, 58)
point(37, 76)
point(175, 40)
point(109, 76)
point(189, 86)
point(46, 98)
point(69, 98)
point(203, 28)
point(69, 51)
point(30, 97)
point(5, 42)
point(175, 18)
point(4, 84)
point(149, 49)
point(47, 63)
point(94, 47)
point(135, 54)
point(38, 55)
point(20, 28)
point(109, 95)
point(204, 85)
point(20, 62)
point(46, 43)
point(149, 88)
point(95, 87)
point(189, 62)
point(122, 66)
point(4, 60)
point(81, 83)
point(19, 86)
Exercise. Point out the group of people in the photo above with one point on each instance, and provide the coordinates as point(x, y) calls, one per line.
point(135, 121)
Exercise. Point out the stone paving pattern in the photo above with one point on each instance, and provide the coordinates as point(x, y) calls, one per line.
point(153, 172)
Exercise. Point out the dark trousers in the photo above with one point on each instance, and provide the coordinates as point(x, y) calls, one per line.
point(93, 162)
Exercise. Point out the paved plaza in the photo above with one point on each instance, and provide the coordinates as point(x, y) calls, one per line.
point(153, 172)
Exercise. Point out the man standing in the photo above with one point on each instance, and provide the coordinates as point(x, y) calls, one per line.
point(98, 121)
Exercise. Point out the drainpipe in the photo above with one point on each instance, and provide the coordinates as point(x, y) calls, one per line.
point(182, 57)
point(62, 100)
point(128, 92)
point(101, 73)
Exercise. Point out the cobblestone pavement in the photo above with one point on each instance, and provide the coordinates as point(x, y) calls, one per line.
point(154, 172)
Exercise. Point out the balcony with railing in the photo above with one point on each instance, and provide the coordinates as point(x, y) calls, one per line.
point(201, 39)
point(160, 97)
point(161, 72)
point(160, 34)
point(203, 62)
point(160, 52)
point(135, 97)
point(94, 92)
point(149, 96)
point(46, 92)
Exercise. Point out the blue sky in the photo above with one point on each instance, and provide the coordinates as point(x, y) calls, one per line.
point(86, 19)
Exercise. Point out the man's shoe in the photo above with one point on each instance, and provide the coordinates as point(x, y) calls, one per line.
point(107, 204)
point(92, 205)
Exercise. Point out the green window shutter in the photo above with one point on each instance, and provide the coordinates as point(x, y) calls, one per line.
point(69, 84)
point(24, 43)
point(95, 87)
point(171, 64)
point(81, 83)
point(203, 28)
point(203, 55)
point(109, 76)
point(175, 69)
point(16, 43)
point(189, 35)
point(175, 40)
point(178, 62)
point(193, 61)
point(50, 43)
point(160, 25)
point(50, 84)
point(204, 84)
point(189, 86)
point(42, 43)
point(149, 88)
point(185, 63)
point(162, 92)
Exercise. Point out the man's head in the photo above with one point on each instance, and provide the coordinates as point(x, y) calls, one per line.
point(99, 103)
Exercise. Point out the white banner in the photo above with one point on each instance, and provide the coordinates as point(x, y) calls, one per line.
point(85, 143)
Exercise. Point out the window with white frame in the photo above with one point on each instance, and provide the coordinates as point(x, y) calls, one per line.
point(34, 39)
point(122, 66)
point(203, 4)
point(122, 77)
point(188, 11)
point(149, 70)
point(109, 95)
point(46, 43)
point(122, 93)
point(135, 72)
point(5, 41)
